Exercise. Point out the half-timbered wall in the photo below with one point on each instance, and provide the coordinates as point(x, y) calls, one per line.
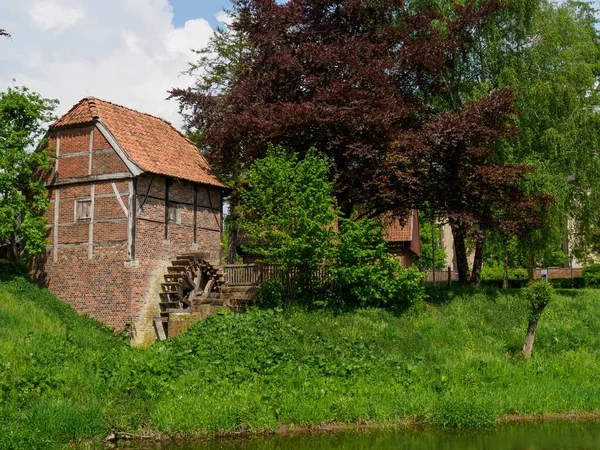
point(110, 265)
point(161, 236)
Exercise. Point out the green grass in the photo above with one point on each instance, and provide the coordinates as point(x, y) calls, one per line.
point(454, 361)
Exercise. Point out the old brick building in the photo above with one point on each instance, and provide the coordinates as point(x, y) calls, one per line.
point(128, 193)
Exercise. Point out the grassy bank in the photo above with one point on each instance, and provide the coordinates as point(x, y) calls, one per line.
point(454, 361)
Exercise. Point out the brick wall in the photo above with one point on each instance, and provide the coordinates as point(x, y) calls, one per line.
point(86, 263)
point(154, 253)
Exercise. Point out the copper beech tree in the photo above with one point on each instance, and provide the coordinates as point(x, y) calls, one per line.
point(358, 80)
point(466, 183)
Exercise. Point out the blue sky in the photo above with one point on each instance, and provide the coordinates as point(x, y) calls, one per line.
point(184, 10)
point(129, 52)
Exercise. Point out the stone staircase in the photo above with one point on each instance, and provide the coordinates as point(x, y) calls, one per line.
point(195, 287)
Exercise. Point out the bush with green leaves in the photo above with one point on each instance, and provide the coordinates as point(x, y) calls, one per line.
point(538, 295)
point(591, 275)
point(288, 216)
point(367, 273)
point(495, 271)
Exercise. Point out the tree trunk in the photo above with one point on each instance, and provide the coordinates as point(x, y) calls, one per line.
point(531, 265)
point(462, 264)
point(565, 246)
point(13, 251)
point(531, 329)
point(233, 235)
point(477, 262)
point(529, 337)
point(505, 280)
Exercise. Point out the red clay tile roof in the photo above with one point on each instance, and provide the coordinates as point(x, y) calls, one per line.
point(397, 231)
point(151, 143)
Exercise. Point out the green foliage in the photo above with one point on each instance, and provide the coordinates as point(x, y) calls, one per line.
point(66, 380)
point(423, 261)
point(367, 272)
point(495, 271)
point(23, 197)
point(288, 216)
point(538, 294)
point(591, 275)
point(287, 211)
point(464, 413)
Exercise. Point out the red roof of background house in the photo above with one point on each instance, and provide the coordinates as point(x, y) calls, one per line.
point(396, 230)
point(399, 233)
point(151, 143)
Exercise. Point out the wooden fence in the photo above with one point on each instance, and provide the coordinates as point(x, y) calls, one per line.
point(442, 276)
point(256, 274)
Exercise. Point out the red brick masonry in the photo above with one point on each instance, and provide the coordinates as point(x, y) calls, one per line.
point(110, 265)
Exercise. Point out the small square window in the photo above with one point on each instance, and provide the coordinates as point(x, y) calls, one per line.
point(83, 210)
point(174, 214)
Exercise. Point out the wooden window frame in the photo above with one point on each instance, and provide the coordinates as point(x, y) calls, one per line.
point(174, 213)
point(81, 201)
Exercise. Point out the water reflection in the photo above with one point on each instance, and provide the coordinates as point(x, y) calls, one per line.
point(546, 436)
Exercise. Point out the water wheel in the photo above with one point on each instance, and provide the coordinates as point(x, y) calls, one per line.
point(191, 280)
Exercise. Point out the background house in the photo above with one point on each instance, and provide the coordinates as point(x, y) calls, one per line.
point(403, 237)
point(128, 194)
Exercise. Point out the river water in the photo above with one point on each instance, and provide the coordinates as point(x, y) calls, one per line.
point(542, 436)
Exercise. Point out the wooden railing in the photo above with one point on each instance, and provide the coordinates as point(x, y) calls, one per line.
point(256, 274)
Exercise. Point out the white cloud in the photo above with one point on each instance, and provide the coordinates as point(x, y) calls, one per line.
point(224, 17)
point(54, 15)
point(124, 51)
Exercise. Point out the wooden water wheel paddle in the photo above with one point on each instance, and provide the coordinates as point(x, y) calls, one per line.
point(191, 280)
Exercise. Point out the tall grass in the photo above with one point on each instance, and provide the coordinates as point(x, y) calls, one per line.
point(453, 361)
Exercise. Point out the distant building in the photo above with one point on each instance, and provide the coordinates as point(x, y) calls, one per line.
point(403, 237)
point(128, 194)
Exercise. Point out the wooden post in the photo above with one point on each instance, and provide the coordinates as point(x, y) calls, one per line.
point(167, 184)
point(433, 249)
point(449, 276)
point(195, 213)
point(132, 217)
point(56, 220)
point(91, 226)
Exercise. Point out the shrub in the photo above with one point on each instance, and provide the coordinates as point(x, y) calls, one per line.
point(496, 272)
point(367, 274)
point(591, 275)
point(538, 294)
point(289, 217)
point(464, 413)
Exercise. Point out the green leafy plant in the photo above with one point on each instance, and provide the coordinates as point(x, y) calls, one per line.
point(23, 197)
point(538, 295)
point(289, 217)
point(591, 275)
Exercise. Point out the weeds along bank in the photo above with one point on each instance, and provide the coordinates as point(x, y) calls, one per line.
point(454, 361)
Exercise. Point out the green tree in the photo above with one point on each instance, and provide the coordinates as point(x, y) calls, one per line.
point(288, 216)
point(431, 237)
point(287, 212)
point(23, 197)
point(538, 295)
point(549, 52)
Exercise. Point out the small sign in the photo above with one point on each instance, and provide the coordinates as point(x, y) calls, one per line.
point(545, 274)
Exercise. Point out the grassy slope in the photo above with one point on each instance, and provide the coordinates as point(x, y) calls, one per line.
point(65, 378)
